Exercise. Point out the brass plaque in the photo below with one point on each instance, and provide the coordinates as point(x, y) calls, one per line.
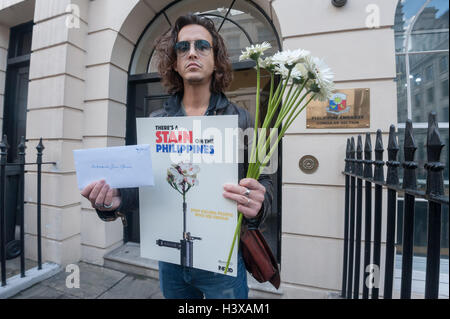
point(348, 108)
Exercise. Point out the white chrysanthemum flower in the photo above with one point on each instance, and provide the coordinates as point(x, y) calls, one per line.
point(255, 51)
point(282, 70)
point(322, 76)
point(267, 64)
point(297, 74)
point(290, 58)
point(301, 69)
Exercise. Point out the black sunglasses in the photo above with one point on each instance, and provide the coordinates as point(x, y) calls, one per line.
point(201, 46)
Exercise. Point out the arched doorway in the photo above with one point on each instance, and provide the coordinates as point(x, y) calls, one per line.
point(240, 23)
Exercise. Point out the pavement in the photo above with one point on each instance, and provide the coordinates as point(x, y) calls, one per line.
point(95, 282)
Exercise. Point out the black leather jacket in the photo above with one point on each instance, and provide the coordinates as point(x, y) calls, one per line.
point(218, 105)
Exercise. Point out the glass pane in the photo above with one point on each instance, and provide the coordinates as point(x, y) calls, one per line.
point(146, 45)
point(420, 136)
point(406, 10)
point(429, 86)
point(235, 40)
point(25, 43)
point(402, 104)
point(430, 31)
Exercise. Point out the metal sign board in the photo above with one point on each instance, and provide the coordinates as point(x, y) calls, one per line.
point(349, 108)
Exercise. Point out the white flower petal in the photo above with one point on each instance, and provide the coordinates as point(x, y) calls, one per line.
point(254, 51)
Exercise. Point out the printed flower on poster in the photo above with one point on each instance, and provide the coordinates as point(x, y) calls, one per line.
point(183, 176)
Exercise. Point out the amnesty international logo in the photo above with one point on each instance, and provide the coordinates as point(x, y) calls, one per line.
point(338, 104)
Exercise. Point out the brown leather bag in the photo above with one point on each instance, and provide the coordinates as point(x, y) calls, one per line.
point(258, 257)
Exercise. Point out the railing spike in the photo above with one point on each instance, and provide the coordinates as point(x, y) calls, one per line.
point(40, 147)
point(435, 183)
point(4, 144)
point(409, 148)
point(352, 155)
point(359, 161)
point(368, 146)
point(392, 163)
point(21, 147)
point(347, 156)
point(368, 157)
point(409, 144)
point(434, 142)
point(378, 172)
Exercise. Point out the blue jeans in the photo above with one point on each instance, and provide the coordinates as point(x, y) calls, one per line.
point(179, 282)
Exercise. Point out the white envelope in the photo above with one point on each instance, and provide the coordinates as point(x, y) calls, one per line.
point(120, 167)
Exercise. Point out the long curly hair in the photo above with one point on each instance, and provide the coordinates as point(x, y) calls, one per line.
point(167, 57)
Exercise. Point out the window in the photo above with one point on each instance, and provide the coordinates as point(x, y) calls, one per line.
point(421, 45)
point(16, 87)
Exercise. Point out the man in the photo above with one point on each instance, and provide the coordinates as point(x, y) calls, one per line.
point(195, 69)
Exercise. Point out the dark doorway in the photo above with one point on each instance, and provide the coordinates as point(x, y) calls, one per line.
point(14, 120)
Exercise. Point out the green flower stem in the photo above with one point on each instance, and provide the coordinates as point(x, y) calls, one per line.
point(292, 110)
point(238, 230)
point(280, 96)
point(272, 81)
point(272, 110)
point(284, 129)
point(291, 103)
point(280, 120)
point(275, 96)
point(255, 132)
point(289, 123)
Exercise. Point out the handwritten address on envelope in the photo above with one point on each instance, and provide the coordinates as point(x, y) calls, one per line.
point(120, 167)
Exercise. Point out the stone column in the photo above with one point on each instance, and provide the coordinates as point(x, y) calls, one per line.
point(55, 113)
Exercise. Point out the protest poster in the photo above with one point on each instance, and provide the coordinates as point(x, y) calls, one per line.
point(184, 218)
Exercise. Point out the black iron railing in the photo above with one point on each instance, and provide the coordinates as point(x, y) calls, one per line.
point(359, 170)
point(12, 214)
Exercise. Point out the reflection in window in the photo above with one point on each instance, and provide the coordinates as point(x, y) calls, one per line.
point(443, 64)
point(421, 26)
point(422, 39)
point(429, 73)
point(430, 95)
point(444, 89)
point(417, 79)
point(417, 99)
